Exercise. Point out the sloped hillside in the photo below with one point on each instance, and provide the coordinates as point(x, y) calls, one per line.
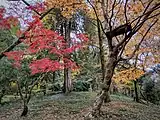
point(76, 105)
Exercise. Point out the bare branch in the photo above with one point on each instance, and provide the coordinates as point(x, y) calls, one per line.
point(145, 13)
point(112, 14)
point(31, 88)
point(143, 38)
point(19, 89)
point(96, 15)
point(30, 5)
point(139, 18)
point(139, 25)
point(105, 12)
point(125, 11)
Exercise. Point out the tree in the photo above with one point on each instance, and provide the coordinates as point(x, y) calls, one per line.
point(66, 23)
point(119, 23)
point(120, 29)
point(63, 22)
point(46, 52)
point(8, 28)
point(130, 74)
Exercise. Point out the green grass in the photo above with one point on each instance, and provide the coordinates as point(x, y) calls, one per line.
point(121, 97)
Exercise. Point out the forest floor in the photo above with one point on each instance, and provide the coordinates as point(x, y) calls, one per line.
point(75, 105)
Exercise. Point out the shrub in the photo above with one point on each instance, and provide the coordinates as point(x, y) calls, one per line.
point(151, 90)
point(81, 86)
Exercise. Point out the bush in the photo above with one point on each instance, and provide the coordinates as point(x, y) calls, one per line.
point(151, 90)
point(55, 87)
point(81, 86)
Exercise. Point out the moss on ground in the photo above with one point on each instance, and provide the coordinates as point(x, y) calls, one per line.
point(75, 105)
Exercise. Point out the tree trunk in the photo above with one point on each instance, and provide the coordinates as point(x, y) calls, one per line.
point(136, 98)
point(108, 98)
point(102, 58)
point(104, 94)
point(67, 81)
point(1, 95)
point(25, 109)
point(54, 76)
point(67, 71)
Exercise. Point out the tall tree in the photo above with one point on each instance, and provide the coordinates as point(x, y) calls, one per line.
point(121, 27)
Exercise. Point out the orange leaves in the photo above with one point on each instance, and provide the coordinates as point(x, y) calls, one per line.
point(129, 74)
point(137, 7)
point(67, 7)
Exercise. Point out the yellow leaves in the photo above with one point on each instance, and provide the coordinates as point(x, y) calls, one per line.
point(129, 74)
point(49, 21)
point(138, 7)
point(143, 50)
point(68, 7)
point(75, 72)
point(13, 84)
point(130, 47)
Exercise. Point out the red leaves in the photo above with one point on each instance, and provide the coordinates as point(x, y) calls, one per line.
point(2, 11)
point(56, 51)
point(48, 65)
point(15, 55)
point(39, 39)
point(82, 37)
point(68, 63)
point(6, 22)
point(12, 20)
point(44, 65)
point(39, 7)
point(71, 49)
point(3, 21)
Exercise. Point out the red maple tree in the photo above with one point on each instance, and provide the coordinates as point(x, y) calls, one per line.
point(39, 39)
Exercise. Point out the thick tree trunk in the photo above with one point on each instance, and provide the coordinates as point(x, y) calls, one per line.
point(67, 81)
point(104, 94)
point(102, 58)
point(136, 97)
point(108, 98)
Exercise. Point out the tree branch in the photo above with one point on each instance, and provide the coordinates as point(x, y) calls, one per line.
point(137, 47)
point(22, 36)
point(139, 25)
point(29, 6)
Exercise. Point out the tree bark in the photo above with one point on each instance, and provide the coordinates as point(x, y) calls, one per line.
point(1, 95)
point(67, 81)
point(136, 91)
point(25, 109)
point(67, 71)
point(54, 77)
point(104, 94)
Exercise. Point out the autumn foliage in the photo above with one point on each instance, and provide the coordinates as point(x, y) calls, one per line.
point(128, 75)
point(7, 22)
point(48, 44)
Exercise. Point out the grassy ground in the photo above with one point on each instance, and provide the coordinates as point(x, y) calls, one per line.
point(76, 105)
